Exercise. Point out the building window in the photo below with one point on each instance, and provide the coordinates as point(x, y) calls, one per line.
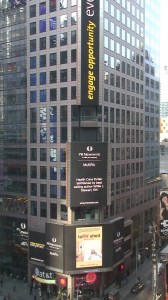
point(43, 134)
point(32, 28)
point(63, 39)
point(43, 43)
point(53, 59)
point(33, 172)
point(53, 211)
point(33, 189)
point(73, 55)
point(33, 62)
point(53, 76)
point(53, 23)
point(42, 26)
point(42, 61)
point(52, 5)
point(73, 37)
point(33, 208)
point(43, 154)
point(42, 78)
point(42, 8)
point(33, 115)
point(33, 154)
point(53, 173)
point(53, 114)
point(32, 11)
point(63, 135)
point(73, 74)
point(63, 4)
point(63, 93)
point(73, 18)
point(53, 191)
point(43, 114)
point(32, 79)
point(43, 172)
point(43, 209)
point(53, 41)
point(53, 94)
point(53, 135)
point(63, 21)
point(62, 192)
point(43, 95)
point(33, 96)
point(62, 155)
point(73, 92)
point(63, 57)
point(32, 45)
point(63, 113)
point(64, 215)
point(63, 75)
point(33, 135)
point(53, 154)
point(43, 190)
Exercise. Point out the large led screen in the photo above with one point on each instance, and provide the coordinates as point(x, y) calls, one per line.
point(88, 174)
point(54, 246)
point(90, 52)
point(36, 246)
point(163, 213)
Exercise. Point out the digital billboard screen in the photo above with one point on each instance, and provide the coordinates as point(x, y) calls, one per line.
point(90, 11)
point(88, 174)
point(163, 213)
point(36, 246)
point(54, 245)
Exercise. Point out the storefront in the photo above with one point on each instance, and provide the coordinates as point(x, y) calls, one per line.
point(48, 283)
point(85, 289)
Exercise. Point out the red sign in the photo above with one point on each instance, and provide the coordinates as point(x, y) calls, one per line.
point(91, 277)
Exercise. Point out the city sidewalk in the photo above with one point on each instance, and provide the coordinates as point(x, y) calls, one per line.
point(143, 272)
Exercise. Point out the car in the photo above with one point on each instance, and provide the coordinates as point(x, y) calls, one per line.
point(137, 287)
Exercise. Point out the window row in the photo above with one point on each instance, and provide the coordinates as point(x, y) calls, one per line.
point(63, 76)
point(120, 32)
point(43, 191)
point(53, 173)
point(43, 116)
point(52, 42)
point(44, 137)
point(123, 153)
point(127, 185)
point(121, 116)
point(53, 154)
point(42, 96)
point(52, 210)
point(122, 135)
point(123, 83)
point(129, 6)
point(128, 169)
point(52, 23)
point(44, 60)
point(43, 7)
point(122, 66)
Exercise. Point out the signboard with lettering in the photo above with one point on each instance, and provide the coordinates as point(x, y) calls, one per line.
point(36, 246)
point(90, 52)
point(163, 213)
point(88, 174)
point(54, 246)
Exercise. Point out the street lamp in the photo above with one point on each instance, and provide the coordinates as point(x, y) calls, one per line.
point(138, 249)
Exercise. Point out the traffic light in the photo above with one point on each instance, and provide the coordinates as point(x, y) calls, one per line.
point(121, 267)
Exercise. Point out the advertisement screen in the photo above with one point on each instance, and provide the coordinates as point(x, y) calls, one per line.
point(163, 209)
point(88, 247)
point(88, 174)
point(36, 246)
point(54, 245)
point(127, 240)
point(118, 240)
point(90, 52)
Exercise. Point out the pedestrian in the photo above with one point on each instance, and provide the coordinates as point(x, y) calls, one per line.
point(14, 288)
point(35, 298)
point(31, 289)
point(4, 298)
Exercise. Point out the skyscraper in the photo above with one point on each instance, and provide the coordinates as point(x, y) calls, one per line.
point(92, 92)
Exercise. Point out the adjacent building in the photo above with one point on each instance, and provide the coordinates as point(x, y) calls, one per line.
point(80, 134)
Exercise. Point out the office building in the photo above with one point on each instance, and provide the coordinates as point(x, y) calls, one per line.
point(92, 133)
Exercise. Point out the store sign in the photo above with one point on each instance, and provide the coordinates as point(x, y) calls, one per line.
point(44, 276)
